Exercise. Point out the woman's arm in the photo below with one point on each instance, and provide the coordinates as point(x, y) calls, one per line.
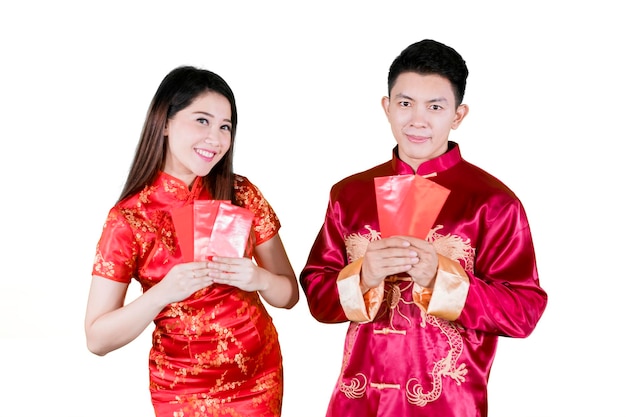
point(109, 324)
point(282, 289)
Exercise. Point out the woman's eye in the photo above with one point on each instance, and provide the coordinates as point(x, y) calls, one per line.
point(203, 121)
point(226, 127)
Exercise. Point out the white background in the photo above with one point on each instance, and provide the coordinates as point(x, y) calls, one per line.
point(546, 92)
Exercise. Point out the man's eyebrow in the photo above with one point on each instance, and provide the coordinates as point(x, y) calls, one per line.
point(404, 96)
point(432, 100)
point(438, 100)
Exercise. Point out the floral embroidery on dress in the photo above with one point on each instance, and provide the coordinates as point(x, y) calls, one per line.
point(266, 221)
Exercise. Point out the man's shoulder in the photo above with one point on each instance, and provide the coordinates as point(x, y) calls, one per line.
point(475, 180)
point(368, 174)
point(360, 183)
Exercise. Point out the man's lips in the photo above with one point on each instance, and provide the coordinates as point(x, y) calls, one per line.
point(417, 139)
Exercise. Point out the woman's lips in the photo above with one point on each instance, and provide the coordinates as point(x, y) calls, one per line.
point(206, 155)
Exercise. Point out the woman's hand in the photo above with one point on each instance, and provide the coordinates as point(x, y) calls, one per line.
point(270, 273)
point(238, 272)
point(183, 280)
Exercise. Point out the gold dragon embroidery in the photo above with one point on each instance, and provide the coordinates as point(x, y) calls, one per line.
point(451, 246)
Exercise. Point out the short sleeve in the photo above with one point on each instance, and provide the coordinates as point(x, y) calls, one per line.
point(266, 223)
point(116, 251)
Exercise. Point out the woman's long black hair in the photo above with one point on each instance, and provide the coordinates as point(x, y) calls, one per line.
point(178, 90)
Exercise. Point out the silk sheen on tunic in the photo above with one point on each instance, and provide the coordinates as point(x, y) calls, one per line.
point(217, 352)
point(409, 352)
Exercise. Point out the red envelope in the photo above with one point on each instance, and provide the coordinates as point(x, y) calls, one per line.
point(210, 228)
point(183, 225)
point(408, 204)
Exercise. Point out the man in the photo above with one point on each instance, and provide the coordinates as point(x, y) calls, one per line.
point(429, 257)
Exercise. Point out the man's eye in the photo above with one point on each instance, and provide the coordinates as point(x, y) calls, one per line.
point(404, 104)
point(436, 107)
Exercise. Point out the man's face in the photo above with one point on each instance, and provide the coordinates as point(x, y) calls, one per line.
point(421, 111)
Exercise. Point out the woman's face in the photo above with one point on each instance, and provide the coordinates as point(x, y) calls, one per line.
point(198, 136)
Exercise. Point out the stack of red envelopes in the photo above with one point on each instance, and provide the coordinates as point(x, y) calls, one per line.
point(210, 228)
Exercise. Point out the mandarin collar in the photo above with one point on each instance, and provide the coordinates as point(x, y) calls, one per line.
point(430, 167)
point(178, 188)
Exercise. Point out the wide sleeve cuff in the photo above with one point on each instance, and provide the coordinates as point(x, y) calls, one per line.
point(447, 298)
point(357, 306)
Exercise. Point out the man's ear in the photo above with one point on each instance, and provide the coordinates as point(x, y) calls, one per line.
point(385, 103)
point(460, 114)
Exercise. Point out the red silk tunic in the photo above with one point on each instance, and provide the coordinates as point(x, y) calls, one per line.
point(412, 352)
point(215, 353)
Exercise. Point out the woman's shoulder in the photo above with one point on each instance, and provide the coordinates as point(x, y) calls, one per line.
point(243, 185)
point(242, 179)
point(248, 195)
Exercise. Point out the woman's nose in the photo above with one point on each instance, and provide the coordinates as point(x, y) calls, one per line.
point(212, 136)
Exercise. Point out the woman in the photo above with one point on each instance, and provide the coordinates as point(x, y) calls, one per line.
point(215, 350)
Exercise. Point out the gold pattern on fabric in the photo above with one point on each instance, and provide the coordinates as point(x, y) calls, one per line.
point(200, 405)
point(102, 267)
point(356, 388)
point(356, 243)
point(266, 223)
point(357, 306)
point(351, 335)
point(394, 287)
point(382, 385)
point(445, 367)
point(456, 256)
point(453, 247)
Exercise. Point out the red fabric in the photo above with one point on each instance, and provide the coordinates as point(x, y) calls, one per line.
point(406, 362)
point(217, 352)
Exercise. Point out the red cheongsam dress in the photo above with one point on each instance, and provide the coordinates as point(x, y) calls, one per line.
point(217, 352)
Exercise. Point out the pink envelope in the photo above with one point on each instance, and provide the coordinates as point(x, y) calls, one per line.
point(210, 228)
point(408, 204)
